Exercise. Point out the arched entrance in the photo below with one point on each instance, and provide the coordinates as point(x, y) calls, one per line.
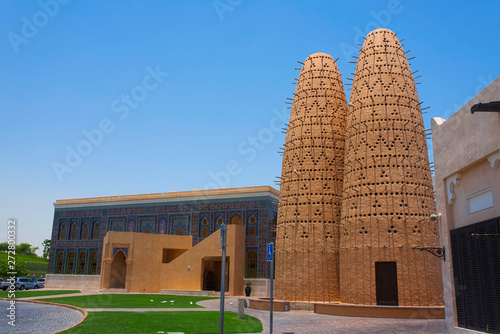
point(209, 281)
point(235, 220)
point(251, 271)
point(212, 273)
point(118, 271)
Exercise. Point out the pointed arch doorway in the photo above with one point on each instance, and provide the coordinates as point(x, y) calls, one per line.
point(118, 271)
point(235, 219)
point(209, 281)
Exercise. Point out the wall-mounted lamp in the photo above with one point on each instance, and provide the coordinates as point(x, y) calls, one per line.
point(439, 252)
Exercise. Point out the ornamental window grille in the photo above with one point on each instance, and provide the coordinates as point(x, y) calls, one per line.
point(85, 230)
point(93, 263)
point(73, 231)
point(220, 222)
point(59, 262)
point(62, 232)
point(95, 234)
point(251, 271)
point(70, 265)
point(81, 263)
point(252, 227)
point(204, 228)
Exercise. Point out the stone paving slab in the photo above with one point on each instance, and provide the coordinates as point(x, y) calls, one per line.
point(37, 318)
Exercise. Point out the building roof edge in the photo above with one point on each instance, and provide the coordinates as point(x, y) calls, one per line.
point(199, 194)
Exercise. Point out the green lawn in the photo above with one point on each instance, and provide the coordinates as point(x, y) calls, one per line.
point(37, 293)
point(37, 268)
point(4, 255)
point(113, 300)
point(36, 265)
point(154, 322)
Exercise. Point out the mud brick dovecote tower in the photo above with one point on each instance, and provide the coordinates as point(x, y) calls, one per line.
point(311, 186)
point(388, 194)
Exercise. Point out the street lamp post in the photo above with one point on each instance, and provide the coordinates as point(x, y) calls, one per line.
point(223, 234)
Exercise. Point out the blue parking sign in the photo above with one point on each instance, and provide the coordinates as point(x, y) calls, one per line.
point(221, 238)
point(270, 251)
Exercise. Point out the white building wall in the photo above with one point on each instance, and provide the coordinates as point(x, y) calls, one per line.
point(466, 158)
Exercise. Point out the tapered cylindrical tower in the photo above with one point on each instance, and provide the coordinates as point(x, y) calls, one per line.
point(311, 186)
point(388, 194)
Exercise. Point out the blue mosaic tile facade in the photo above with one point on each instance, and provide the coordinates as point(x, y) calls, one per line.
point(177, 218)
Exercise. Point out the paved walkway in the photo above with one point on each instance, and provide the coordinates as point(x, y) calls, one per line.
point(37, 318)
point(296, 322)
point(308, 322)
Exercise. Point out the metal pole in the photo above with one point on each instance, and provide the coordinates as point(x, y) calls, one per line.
point(223, 278)
point(271, 304)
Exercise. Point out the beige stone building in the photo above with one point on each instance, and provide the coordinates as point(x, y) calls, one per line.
point(467, 162)
point(145, 262)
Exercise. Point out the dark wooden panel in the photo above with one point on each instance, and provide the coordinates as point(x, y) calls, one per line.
point(386, 283)
point(490, 273)
point(457, 274)
point(476, 270)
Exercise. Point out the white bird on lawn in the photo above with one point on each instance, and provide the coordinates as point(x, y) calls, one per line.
point(151, 300)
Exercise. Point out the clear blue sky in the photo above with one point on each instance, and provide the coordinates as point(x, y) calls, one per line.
point(101, 68)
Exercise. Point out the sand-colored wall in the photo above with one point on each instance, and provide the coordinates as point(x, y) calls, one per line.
point(144, 258)
point(176, 275)
point(261, 287)
point(146, 272)
point(81, 282)
point(466, 158)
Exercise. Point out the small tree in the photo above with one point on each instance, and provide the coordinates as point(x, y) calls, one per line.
point(46, 248)
point(24, 248)
point(20, 268)
point(4, 247)
point(33, 250)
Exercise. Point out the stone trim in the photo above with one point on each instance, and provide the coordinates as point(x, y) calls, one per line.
point(173, 196)
point(494, 159)
point(451, 182)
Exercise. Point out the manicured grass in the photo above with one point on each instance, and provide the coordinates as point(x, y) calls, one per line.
point(112, 300)
point(27, 258)
point(37, 293)
point(153, 322)
point(37, 268)
point(36, 265)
